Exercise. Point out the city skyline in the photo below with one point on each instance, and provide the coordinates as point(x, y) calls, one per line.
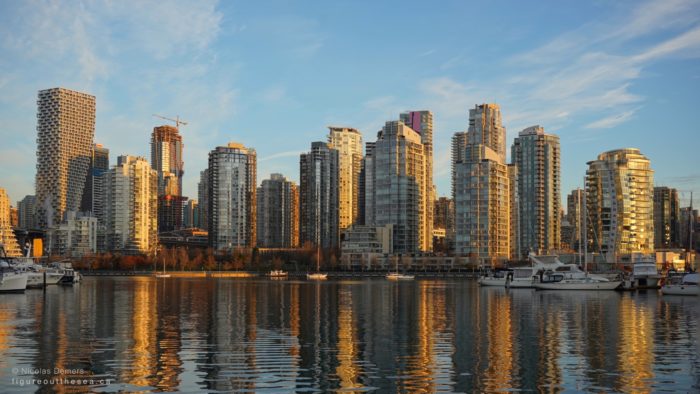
point(617, 65)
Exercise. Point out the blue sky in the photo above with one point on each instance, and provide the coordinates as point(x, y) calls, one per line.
point(272, 75)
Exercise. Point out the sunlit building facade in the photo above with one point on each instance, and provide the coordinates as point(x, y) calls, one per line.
point(397, 187)
point(166, 159)
point(7, 236)
point(348, 142)
point(65, 131)
point(131, 214)
point(278, 213)
point(482, 190)
point(537, 156)
point(232, 202)
point(619, 203)
point(318, 196)
point(666, 218)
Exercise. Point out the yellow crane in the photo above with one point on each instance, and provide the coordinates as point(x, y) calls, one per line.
point(177, 120)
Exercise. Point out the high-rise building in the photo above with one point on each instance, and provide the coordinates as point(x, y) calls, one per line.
point(7, 236)
point(348, 143)
point(422, 123)
point(65, 131)
point(513, 177)
point(482, 190)
point(92, 194)
point(537, 156)
point(203, 203)
point(576, 216)
point(166, 159)
point(619, 203)
point(444, 219)
point(130, 212)
point(666, 218)
point(191, 214)
point(318, 196)
point(367, 184)
point(459, 146)
point(485, 128)
point(689, 226)
point(27, 212)
point(396, 187)
point(278, 213)
point(232, 202)
point(14, 217)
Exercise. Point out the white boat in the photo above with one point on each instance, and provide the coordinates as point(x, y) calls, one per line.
point(644, 274)
point(37, 274)
point(12, 280)
point(278, 274)
point(162, 274)
point(571, 277)
point(521, 277)
point(682, 285)
point(398, 276)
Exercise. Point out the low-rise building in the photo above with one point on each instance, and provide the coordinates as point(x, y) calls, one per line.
point(74, 237)
point(363, 245)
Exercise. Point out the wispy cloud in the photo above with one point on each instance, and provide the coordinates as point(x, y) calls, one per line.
point(611, 121)
point(279, 155)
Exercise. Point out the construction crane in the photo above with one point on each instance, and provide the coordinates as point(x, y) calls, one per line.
point(177, 120)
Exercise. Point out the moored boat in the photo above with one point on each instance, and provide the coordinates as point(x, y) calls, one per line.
point(682, 285)
point(12, 280)
point(398, 276)
point(278, 274)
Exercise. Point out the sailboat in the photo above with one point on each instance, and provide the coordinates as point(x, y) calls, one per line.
point(163, 274)
point(398, 276)
point(318, 275)
point(570, 277)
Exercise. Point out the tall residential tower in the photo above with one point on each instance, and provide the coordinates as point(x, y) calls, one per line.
point(348, 143)
point(65, 131)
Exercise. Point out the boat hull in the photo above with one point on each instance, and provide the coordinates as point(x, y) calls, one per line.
point(400, 277)
point(317, 276)
point(487, 281)
point(13, 283)
point(612, 285)
point(685, 290)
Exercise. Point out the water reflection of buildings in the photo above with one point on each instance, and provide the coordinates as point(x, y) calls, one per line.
point(347, 370)
point(636, 346)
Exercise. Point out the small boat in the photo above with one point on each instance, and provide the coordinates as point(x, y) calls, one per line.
point(521, 277)
point(571, 277)
point(12, 280)
point(162, 274)
point(278, 274)
point(398, 276)
point(645, 275)
point(682, 285)
point(318, 275)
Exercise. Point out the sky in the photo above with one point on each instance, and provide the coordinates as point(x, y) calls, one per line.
point(273, 75)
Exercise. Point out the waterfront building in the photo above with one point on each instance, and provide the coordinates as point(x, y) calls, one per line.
point(74, 237)
point(166, 159)
point(459, 146)
point(619, 203)
point(278, 213)
point(26, 213)
point(7, 236)
point(422, 123)
point(93, 193)
point(537, 156)
point(191, 215)
point(515, 244)
point(575, 215)
point(443, 220)
point(232, 202)
point(348, 143)
point(396, 191)
point(363, 245)
point(666, 218)
point(203, 203)
point(130, 212)
point(318, 196)
point(482, 191)
point(367, 184)
point(65, 131)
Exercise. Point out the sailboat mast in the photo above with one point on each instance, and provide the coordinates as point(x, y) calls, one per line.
point(584, 211)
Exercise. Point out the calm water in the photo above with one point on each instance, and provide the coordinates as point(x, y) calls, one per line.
point(429, 335)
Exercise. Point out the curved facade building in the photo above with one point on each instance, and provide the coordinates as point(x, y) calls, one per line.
point(620, 203)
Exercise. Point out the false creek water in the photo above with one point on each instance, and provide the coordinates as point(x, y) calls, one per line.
point(259, 335)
